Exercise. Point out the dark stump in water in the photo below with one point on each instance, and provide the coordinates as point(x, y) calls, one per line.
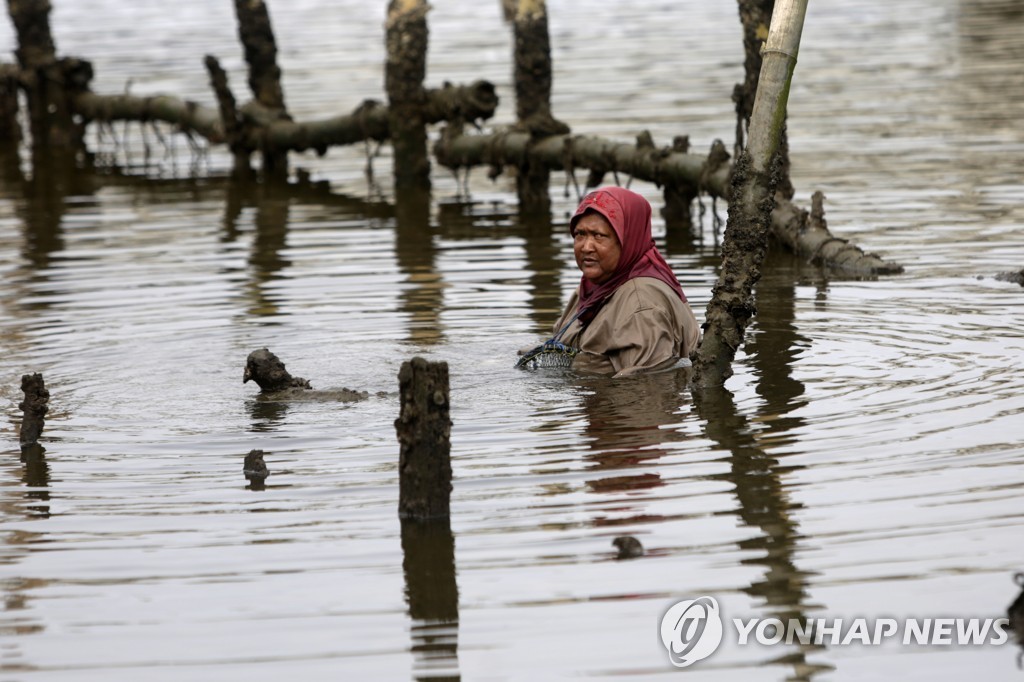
point(276, 383)
point(424, 430)
point(34, 407)
point(269, 372)
point(254, 468)
point(629, 547)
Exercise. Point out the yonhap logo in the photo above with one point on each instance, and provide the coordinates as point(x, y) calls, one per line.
point(691, 630)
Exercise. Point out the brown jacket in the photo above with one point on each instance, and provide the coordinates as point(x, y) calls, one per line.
point(643, 326)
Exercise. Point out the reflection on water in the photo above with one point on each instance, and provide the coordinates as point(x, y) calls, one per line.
point(428, 549)
point(629, 427)
point(865, 458)
point(423, 297)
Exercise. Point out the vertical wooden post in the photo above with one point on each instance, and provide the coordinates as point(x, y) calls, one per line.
point(404, 72)
point(257, 36)
point(679, 199)
point(10, 130)
point(34, 408)
point(532, 57)
point(424, 430)
point(43, 78)
point(752, 200)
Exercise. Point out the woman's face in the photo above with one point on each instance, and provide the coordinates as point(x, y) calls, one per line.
point(596, 247)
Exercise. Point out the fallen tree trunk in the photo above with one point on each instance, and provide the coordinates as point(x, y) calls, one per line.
point(369, 121)
point(807, 235)
point(687, 172)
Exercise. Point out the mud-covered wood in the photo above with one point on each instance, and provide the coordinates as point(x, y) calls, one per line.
point(755, 17)
point(43, 77)
point(10, 130)
point(533, 79)
point(424, 432)
point(807, 234)
point(234, 130)
point(369, 121)
point(58, 93)
point(752, 201)
point(404, 72)
point(260, 48)
point(34, 408)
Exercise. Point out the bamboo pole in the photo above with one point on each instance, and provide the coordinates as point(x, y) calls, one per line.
point(752, 200)
point(755, 17)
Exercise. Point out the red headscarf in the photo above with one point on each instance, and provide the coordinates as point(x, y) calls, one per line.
point(630, 216)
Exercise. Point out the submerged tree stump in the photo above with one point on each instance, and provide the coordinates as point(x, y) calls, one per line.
point(424, 432)
point(34, 408)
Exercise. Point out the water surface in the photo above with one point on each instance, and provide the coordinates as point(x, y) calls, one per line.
point(866, 460)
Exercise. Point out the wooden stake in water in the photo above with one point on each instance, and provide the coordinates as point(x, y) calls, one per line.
point(404, 73)
point(424, 432)
point(34, 407)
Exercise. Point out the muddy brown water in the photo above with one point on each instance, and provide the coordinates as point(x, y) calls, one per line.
point(866, 464)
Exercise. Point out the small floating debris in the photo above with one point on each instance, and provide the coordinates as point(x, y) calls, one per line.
point(254, 468)
point(629, 547)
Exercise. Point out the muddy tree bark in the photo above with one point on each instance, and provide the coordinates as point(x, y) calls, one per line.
point(369, 121)
point(44, 78)
point(260, 47)
point(672, 168)
point(752, 201)
point(404, 73)
point(231, 122)
point(34, 408)
point(424, 431)
point(10, 131)
point(532, 76)
point(807, 235)
point(756, 16)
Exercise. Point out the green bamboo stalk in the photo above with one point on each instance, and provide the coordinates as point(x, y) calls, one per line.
point(732, 302)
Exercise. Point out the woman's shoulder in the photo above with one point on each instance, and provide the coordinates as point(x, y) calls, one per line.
point(645, 292)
